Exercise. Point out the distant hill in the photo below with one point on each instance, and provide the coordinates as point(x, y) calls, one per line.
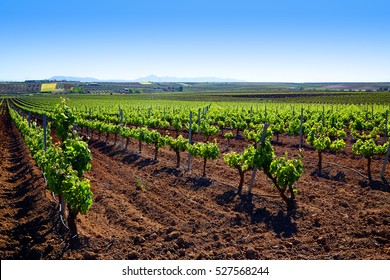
point(151, 78)
point(70, 78)
point(154, 78)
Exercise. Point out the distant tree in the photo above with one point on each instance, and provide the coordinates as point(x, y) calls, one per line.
point(131, 90)
point(77, 90)
point(138, 90)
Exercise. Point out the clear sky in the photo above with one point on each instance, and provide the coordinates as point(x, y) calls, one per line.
point(264, 41)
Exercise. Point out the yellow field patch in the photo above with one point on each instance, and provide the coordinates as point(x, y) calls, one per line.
point(48, 87)
point(146, 83)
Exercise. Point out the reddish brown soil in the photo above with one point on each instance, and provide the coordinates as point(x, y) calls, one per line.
point(145, 209)
point(27, 212)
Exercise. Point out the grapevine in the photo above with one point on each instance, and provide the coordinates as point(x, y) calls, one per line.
point(206, 150)
point(368, 149)
point(322, 139)
point(242, 162)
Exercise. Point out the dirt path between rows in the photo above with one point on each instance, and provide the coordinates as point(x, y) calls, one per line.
point(27, 214)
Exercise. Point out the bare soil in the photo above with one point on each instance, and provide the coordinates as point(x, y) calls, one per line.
point(146, 209)
point(27, 211)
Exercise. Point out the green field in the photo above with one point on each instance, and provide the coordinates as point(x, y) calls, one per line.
point(288, 97)
point(335, 93)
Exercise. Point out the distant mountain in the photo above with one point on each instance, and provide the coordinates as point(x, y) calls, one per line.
point(70, 78)
point(151, 78)
point(154, 78)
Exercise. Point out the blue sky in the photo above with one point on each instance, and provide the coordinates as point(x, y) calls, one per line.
point(264, 41)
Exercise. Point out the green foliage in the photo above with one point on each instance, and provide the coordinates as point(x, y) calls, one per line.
point(368, 148)
point(331, 123)
point(153, 122)
point(63, 163)
point(228, 135)
point(243, 161)
point(158, 141)
point(33, 137)
point(177, 144)
point(320, 138)
point(63, 179)
point(323, 138)
point(256, 133)
point(264, 156)
point(64, 120)
point(177, 124)
point(164, 124)
point(338, 145)
point(77, 90)
point(242, 125)
point(251, 135)
point(140, 185)
point(56, 169)
point(336, 133)
point(221, 124)
point(282, 172)
point(294, 127)
point(286, 172)
point(78, 193)
point(117, 129)
point(68, 162)
point(206, 150)
point(233, 159)
point(209, 130)
point(110, 128)
point(142, 134)
point(321, 143)
point(156, 138)
point(78, 155)
point(278, 127)
point(127, 132)
point(358, 123)
point(362, 135)
point(194, 127)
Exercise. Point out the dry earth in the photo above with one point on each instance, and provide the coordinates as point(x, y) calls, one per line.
point(146, 209)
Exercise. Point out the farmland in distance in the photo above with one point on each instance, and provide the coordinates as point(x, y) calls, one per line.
point(150, 209)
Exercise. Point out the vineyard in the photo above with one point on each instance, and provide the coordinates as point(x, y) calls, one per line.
point(138, 177)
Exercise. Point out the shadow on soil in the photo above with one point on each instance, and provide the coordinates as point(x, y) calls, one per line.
point(117, 152)
point(226, 198)
point(145, 162)
point(339, 177)
point(16, 167)
point(29, 234)
point(277, 143)
point(129, 156)
point(376, 185)
point(280, 223)
point(104, 148)
point(97, 143)
point(197, 183)
point(107, 149)
point(167, 170)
